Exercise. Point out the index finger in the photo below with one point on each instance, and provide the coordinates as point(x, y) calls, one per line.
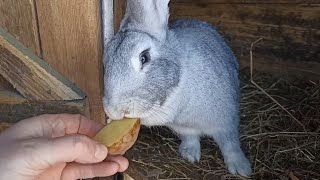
point(63, 124)
point(57, 125)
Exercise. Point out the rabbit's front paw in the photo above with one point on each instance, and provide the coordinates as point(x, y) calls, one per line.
point(190, 150)
point(239, 164)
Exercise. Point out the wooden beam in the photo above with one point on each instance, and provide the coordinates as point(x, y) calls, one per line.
point(30, 75)
point(4, 84)
point(14, 107)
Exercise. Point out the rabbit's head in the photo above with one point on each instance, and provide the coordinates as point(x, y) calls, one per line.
point(140, 67)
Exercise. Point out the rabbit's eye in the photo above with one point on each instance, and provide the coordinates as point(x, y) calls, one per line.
point(144, 57)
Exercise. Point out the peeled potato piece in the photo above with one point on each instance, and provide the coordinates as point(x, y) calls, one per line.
point(119, 136)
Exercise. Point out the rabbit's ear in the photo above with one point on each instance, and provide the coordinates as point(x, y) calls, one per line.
point(150, 16)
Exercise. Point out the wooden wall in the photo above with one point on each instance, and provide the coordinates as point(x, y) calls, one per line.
point(290, 30)
point(19, 18)
point(67, 35)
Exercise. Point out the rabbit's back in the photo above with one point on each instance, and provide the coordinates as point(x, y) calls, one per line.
point(207, 55)
point(204, 37)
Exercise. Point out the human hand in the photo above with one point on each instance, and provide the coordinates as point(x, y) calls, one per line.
point(55, 147)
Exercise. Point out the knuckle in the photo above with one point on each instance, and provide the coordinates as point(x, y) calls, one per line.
point(81, 143)
point(77, 116)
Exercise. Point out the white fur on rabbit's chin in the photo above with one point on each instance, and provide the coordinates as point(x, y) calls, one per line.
point(161, 115)
point(109, 121)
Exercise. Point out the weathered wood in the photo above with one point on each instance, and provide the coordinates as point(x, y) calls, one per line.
point(30, 75)
point(287, 69)
point(18, 17)
point(14, 107)
point(4, 84)
point(71, 39)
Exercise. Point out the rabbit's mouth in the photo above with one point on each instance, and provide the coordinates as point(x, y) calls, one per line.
point(133, 110)
point(130, 109)
point(129, 114)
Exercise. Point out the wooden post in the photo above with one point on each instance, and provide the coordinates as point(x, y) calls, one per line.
point(14, 107)
point(71, 39)
point(18, 17)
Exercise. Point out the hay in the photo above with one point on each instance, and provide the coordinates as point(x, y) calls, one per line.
point(277, 145)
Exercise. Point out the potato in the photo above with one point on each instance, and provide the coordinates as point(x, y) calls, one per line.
point(119, 136)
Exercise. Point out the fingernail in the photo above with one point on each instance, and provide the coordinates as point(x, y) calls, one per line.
point(101, 151)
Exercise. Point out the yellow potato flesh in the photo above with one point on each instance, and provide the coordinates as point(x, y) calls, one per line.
point(119, 136)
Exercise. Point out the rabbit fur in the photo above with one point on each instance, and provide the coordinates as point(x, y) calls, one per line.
point(189, 84)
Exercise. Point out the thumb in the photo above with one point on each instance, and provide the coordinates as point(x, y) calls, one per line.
point(73, 148)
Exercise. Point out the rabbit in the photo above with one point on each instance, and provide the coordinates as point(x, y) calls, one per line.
point(181, 75)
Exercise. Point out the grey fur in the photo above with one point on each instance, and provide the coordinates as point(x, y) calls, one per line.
point(190, 85)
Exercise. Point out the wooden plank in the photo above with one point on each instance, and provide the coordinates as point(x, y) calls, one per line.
point(70, 33)
point(290, 30)
point(4, 84)
point(19, 18)
point(30, 75)
point(14, 107)
point(289, 70)
point(284, 26)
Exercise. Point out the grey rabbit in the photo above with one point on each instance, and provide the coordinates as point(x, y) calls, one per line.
point(182, 76)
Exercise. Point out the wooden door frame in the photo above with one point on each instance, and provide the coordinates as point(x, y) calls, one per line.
point(40, 89)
